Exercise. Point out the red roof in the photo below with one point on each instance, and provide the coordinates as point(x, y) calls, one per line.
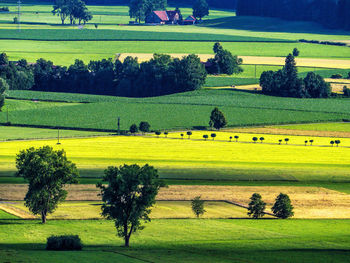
point(190, 18)
point(162, 15)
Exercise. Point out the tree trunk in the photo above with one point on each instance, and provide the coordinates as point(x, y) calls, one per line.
point(43, 217)
point(127, 238)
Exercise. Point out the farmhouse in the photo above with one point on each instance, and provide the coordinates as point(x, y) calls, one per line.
point(163, 17)
point(191, 20)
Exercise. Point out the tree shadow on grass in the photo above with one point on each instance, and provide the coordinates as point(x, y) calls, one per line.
point(268, 24)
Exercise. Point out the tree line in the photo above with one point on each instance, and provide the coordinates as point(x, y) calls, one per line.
point(330, 13)
point(286, 83)
point(159, 76)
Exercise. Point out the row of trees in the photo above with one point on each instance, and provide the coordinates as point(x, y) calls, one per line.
point(330, 13)
point(73, 10)
point(286, 83)
point(159, 76)
point(3, 88)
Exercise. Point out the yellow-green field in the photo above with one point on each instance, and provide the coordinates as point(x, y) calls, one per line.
point(161, 210)
point(198, 159)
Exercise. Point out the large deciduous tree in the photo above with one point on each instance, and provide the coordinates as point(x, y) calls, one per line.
point(200, 9)
point(128, 197)
point(217, 119)
point(47, 172)
point(256, 206)
point(283, 207)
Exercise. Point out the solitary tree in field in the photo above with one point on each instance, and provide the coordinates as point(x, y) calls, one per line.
point(128, 195)
point(166, 134)
point(213, 135)
point(332, 143)
point(189, 133)
point(311, 142)
point(279, 142)
point(3, 88)
point(236, 137)
point(217, 119)
point(256, 206)
point(205, 137)
point(286, 140)
point(296, 52)
point(144, 126)
point(306, 143)
point(200, 9)
point(230, 138)
point(337, 142)
point(255, 139)
point(198, 206)
point(158, 133)
point(182, 135)
point(283, 207)
point(47, 172)
point(133, 129)
point(262, 139)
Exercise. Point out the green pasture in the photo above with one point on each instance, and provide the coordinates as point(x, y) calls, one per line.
point(24, 133)
point(178, 111)
point(190, 240)
point(65, 52)
point(337, 127)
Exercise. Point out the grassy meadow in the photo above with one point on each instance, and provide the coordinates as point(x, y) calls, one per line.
point(187, 240)
point(167, 112)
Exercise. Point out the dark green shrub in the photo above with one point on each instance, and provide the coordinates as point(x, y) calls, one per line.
point(67, 242)
point(337, 76)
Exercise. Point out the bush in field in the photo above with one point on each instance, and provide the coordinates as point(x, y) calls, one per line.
point(236, 137)
point(262, 139)
point(217, 119)
point(205, 137)
point(286, 140)
point(128, 193)
point(283, 207)
point(213, 135)
point(47, 172)
point(67, 242)
point(255, 139)
point(158, 133)
point(337, 76)
point(296, 52)
point(134, 129)
point(166, 134)
point(198, 206)
point(256, 206)
point(337, 142)
point(346, 91)
point(144, 126)
point(332, 143)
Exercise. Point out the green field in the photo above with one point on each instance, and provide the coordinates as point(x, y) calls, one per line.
point(40, 24)
point(290, 241)
point(168, 112)
point(23, 133)
point(338, 127)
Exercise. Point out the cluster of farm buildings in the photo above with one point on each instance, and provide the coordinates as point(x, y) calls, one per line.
point(169, 17)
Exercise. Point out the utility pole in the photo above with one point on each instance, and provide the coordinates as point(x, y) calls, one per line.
point(19, 15)
point(118, 125)
point(58, 136)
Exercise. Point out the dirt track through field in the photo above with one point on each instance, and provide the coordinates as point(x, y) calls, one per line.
point(309, 202)
point(254, 60)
